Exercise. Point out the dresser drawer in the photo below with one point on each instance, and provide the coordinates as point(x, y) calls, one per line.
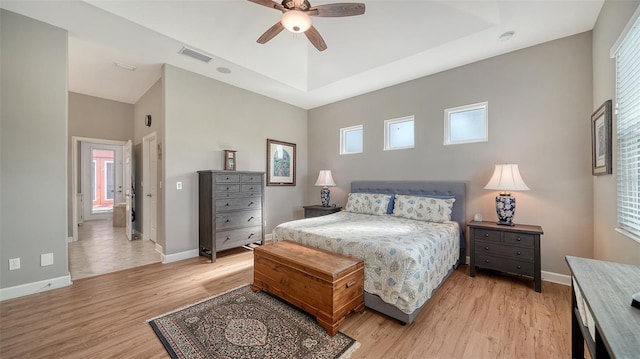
point(249, 178)
point(519, 239)
point(501, 250)
point(505, 265)
point(251, 188)
point(237, 237)
point(227, 189)
point(227, 178)
point(487, 234)
point(228, 220)
point(234, 204)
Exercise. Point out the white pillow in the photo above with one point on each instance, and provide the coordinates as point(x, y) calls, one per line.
point(423, 208)
point(368, 203)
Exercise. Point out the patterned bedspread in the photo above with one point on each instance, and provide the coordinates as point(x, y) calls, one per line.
point(404, 260)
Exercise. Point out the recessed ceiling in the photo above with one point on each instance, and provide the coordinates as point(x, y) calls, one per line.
point(393, 42)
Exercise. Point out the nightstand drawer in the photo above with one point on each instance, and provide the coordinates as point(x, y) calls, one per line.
point(504, 265)
point(487, 234)
point(519, 239)
point(509, 252)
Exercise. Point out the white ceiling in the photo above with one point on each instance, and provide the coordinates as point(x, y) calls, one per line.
point(393, 42)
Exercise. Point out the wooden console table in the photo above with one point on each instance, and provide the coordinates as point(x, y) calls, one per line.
point(606, 288)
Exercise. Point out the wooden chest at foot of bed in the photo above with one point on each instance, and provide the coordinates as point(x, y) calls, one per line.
point(324, 284)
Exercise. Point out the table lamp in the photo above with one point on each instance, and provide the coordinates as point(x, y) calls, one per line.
point(325, 180)
point(506, 177)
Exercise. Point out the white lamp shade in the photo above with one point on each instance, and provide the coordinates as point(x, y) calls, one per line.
point(507, 178)
point(296, 21)
point(325, 179)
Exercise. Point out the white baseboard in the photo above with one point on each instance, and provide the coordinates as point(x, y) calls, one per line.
point(69, 239)
point(159, 248)
point(556, 278)
point(180, 256)
point(35, 287)
point(549, 276)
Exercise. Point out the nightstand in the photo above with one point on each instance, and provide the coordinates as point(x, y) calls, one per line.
point(510, 249)
point(317, 211)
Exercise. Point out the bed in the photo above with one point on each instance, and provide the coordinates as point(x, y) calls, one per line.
point(406, 260)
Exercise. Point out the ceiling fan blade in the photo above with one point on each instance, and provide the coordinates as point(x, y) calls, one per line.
point(337, 10)
point(270, 33)
point(316, 39)
point(269, 3)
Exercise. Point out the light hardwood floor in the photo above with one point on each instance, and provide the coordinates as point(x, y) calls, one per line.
point(489, 316)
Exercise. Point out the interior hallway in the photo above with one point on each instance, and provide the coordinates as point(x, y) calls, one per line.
point(102, 248)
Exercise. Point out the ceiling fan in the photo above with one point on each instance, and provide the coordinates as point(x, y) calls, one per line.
point(295, 18)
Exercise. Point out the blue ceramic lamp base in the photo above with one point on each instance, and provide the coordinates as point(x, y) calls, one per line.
point(324, 196)
point(506, 209)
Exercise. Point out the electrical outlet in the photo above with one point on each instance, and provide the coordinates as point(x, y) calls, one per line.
point(178, 185)
point(46, 259)
point(14, 263)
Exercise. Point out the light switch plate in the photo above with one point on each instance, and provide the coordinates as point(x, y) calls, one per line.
point(14, 263)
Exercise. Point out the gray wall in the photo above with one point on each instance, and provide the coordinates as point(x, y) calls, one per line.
point(203, 117)
point(149, 104)
point(33, 214)
point(539, 107)
point(609, 244)
point(95, 117)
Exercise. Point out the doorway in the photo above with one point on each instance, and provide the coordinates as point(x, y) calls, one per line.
point(101, 179)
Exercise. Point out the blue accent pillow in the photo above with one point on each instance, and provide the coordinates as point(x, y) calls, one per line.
point(391, 202)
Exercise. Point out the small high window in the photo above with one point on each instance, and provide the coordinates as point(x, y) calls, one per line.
point(351, 140)
point(398, 133)
point(466, 124)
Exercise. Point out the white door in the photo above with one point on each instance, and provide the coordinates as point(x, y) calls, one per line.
point(102, 179)
point(127, 188)
point(150, 187)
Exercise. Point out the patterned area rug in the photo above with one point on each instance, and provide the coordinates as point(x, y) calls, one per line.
point(244, 324)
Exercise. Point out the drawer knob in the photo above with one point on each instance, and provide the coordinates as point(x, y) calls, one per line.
point(227, 177)
point(227, 205)
point(250, 219)
point(486, 261)
point(251, 203)
point(227, 221)
point(519, 267)
point(227, 239)
point(486, 234)
point(251, 189)
point(251, 235)
point(518, 239)
point(227, 188)
point(518, 253)
point(486, 248)
point(351, 283)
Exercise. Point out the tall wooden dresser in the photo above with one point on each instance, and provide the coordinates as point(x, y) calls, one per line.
point(230, 210)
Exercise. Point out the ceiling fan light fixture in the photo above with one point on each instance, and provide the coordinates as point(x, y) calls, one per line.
point(296, 21)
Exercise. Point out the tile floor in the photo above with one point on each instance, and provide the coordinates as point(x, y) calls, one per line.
point(102, 248)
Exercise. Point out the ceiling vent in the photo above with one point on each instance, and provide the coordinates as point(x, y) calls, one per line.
point(195, 54)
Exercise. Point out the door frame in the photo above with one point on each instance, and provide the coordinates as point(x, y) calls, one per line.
point(146, 179)
point(75, 158)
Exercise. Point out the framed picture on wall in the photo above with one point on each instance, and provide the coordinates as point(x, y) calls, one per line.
point(281, 163)
point(601, 140)
point(229, 160)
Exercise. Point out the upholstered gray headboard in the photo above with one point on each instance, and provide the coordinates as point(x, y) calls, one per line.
point(440, 188)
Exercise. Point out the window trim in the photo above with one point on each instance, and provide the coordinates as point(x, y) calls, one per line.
point(387, 139)
point(343, 139)
point(447, 122)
